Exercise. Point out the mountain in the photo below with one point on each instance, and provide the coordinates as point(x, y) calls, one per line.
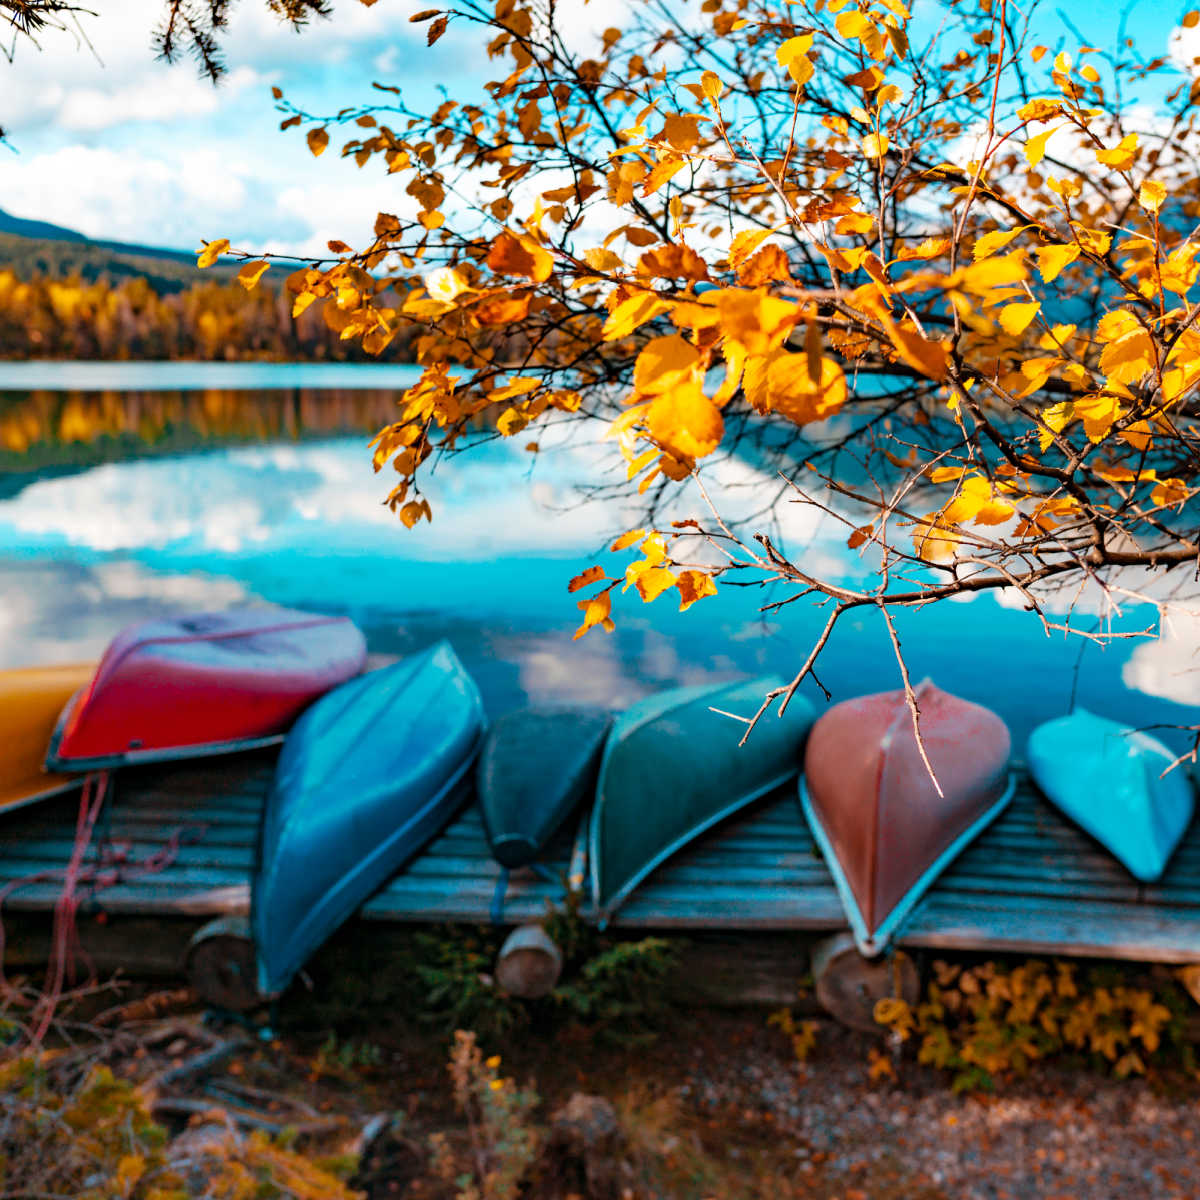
point(30, 247)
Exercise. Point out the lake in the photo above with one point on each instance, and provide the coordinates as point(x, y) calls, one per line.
point(130, 491)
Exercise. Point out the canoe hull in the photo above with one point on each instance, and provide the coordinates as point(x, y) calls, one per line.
point(672, 768)
point(209, 683)
point(31, 701)
point(1106, 778)
point(884, 827)
point(370, 773)
point(534, 770)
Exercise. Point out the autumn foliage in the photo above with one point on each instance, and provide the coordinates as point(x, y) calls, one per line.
point(934, 277)
point(69, 317)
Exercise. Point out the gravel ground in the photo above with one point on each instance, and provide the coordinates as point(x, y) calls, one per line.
point(1056, 1134)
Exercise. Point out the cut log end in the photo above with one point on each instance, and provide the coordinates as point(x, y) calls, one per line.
point(222, 966)
point(849, 986)
point(529, 963)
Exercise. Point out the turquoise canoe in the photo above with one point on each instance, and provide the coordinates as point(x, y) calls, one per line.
point(367, 776)
point(672, 768)
point(1108, 778)
point(534, 770)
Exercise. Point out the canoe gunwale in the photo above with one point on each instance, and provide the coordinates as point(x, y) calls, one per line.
point(135, 758)
point(605, 913)
point(872, 945)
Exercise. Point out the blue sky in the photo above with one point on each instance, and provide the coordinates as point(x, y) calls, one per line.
point(113, 143)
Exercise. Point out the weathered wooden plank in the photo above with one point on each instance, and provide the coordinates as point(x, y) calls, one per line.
point(165, 897)
point(957, 921)
point(194, 854)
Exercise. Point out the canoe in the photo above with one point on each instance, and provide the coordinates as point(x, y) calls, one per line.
point(534, 770)
point(884, 830)
point(31, 699)
point(368, 775)
point(1108, 779)
point(672, 768)
point(207, 683)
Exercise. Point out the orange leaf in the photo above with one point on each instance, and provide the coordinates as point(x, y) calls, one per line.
point(512, 254)
point(591, 575)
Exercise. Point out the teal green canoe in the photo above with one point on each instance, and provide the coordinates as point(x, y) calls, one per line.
point(672, 768)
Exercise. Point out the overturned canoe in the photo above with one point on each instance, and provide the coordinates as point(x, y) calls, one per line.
point(368, 775)
point(876, 814)
point(31, 700)
point(534, 770)
point(1108, 778)
point(672, 768)
point(207, 683)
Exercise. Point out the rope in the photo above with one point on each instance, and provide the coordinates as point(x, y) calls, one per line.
point(111, 867)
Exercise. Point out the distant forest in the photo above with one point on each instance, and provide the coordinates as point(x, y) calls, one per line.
point(83, 300)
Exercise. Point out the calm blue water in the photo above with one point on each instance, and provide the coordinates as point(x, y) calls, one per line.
point(84, 553)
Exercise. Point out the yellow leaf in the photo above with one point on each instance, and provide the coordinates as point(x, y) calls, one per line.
point(693, 586)
point(627, 539)
point(1151, 195)
point(602, 260)
point(413, 511)
point(631, 313)
point(682, 130)
point(859, 536)
point(1015, 318)
point(1053, 259)
point(1121, 156)
point(712, 85)
point(445, 283)
point(745, 243)
point(664, 170)
point(1035, 148)
point(212, 252)
point(652, 583)
point(996, 240)
point(928, 357)
point(596, 611)
point(792, 391)
point(251, 273)
point(514, 254)
point(1170, 492)
point(664, 363)
point(875, 145)
point(755, 319)
point(591, 575)
point(685, 422)
point(793, 55)
point(318, 139)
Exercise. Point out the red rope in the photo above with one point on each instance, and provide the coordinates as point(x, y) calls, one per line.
point(111, 867)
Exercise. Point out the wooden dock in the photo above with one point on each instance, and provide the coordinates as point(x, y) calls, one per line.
point(1031, 883)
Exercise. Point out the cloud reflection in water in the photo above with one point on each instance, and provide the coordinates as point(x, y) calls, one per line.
point(84, 554)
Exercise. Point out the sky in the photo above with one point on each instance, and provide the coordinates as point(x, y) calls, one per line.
point(109, 141)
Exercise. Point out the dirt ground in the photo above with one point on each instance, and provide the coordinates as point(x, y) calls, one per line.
point(715, 1107)
point(718, 1101)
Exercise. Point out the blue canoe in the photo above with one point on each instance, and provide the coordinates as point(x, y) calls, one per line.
point(368, 775)
point(1108, 778)
point(672, 768)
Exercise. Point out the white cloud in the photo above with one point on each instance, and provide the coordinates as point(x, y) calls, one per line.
point(64, 612)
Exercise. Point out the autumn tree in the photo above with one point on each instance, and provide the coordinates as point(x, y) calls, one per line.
point(935, 275)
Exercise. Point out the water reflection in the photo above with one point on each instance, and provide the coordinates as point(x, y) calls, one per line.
point(83, 554)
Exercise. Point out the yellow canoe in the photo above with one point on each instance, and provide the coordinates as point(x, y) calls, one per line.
point(31, 699)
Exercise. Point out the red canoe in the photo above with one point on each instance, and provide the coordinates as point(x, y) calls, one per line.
point(207, 683)
point(875, 812)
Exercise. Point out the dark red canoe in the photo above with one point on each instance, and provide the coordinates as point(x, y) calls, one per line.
point(208, 683)
point(874, 810)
